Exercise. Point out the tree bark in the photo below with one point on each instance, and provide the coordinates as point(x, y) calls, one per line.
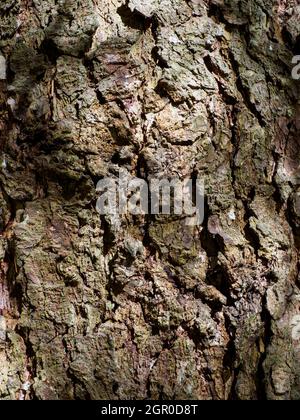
point(150, 307)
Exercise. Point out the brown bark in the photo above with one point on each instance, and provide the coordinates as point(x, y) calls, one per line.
point(149, 308)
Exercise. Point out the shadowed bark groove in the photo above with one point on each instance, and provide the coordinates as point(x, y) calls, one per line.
point(150, 307)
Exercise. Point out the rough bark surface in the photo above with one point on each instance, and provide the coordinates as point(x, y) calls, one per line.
point(149, 307)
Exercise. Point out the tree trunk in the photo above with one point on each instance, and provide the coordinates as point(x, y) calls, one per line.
point(149, 307)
